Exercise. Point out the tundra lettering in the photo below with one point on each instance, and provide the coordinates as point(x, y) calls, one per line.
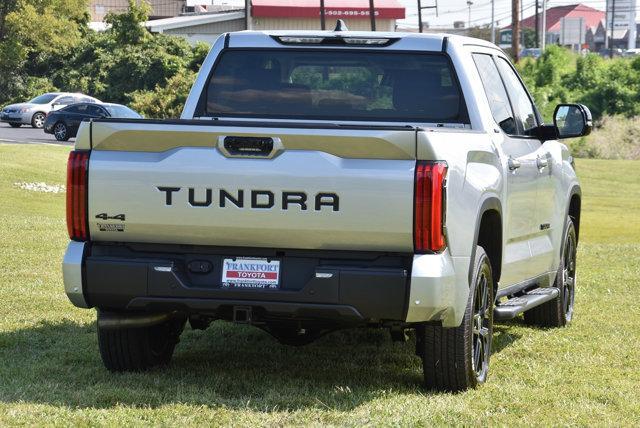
point(460, 206)
point(260, 199)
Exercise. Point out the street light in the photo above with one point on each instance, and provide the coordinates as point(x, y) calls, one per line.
point(469, 3)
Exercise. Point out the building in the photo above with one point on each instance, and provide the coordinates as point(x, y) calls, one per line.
point(305, 14)
point(205, 27)
point(159, 8)
point(557, 19)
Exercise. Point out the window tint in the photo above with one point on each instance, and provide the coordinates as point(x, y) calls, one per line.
point(496, 94)
point(523, 108)
point(71, 109)
point(95, 110)
point(86, 100)
point(334, 85)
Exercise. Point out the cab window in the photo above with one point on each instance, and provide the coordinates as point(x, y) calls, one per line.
point(525, 113)
point(496, 93)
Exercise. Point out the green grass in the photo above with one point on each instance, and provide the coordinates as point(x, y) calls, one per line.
point(51, 373)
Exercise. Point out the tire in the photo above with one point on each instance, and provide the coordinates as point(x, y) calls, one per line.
point(61, 132)
point(138, 349)
point(37, 120)
point(15, 124)
point(559, 311)
point(456, 359)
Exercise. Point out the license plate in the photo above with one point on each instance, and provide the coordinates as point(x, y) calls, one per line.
point(251, 273)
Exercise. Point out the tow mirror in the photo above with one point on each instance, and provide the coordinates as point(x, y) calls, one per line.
point(572, 120)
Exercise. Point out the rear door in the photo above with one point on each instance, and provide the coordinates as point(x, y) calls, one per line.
point(521, 178)
point(548, 173)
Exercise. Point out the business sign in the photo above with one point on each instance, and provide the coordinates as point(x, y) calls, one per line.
point(505, 37)
point(572, 31)
point(621, 14)
point(199, 3)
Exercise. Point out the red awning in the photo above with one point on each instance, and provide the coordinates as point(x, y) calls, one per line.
point(389, 9)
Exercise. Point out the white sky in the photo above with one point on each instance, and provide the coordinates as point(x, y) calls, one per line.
point(457, 10)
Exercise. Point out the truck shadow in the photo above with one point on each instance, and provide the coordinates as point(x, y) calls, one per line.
point(235, 367)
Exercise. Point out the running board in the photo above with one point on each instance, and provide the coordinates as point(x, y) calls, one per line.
point(516, 305)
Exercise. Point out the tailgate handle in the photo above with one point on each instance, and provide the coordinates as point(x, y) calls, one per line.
point(248, 146)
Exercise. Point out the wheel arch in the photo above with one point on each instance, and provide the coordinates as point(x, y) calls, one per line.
point(574, 208)
point(488, 235)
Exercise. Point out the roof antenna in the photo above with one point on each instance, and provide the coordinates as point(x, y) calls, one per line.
point(340, 26)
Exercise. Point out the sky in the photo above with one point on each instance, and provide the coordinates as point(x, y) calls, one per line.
point(457, 10)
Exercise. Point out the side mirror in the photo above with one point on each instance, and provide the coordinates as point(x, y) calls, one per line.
point(572, 120)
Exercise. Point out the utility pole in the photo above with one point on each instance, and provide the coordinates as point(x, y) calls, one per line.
point(323, 25)
point(372, 15)
point(493, 21)
point(632, 27)
point(469, 3)
point(515, 29)
point(543, 43)
point(247, 14)
point(613, 26)
point(537, 26)
point(420, 7)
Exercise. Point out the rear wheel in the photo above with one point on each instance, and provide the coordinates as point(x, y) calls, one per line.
point(60, 131)
point(455, 359)
point(15, 124)
point(139, 348)
point(559, 311)
point(37, 120)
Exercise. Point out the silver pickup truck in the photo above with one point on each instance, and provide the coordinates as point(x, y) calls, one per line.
point(326, 180)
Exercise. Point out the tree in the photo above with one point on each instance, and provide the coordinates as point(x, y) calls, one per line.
point(127, 27)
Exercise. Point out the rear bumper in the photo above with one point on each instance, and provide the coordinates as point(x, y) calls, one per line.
point(336, 287)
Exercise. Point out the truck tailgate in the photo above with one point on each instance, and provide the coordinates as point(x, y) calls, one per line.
point(320, 188)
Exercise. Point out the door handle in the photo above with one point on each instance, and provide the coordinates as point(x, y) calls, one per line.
point(542, 162)
point(513, 164)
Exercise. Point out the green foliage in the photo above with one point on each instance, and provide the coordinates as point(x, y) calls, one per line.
point(615, 137)
point(164, 101)
point(606, 86)
point(126, 26)
point(48, 45)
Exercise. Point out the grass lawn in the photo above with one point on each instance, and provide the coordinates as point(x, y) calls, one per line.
point(51, 373)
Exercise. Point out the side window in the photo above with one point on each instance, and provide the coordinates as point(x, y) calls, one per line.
point(496, 94)
point(65, 101)
point(524, 110)
point(72, 109)
point(94, 110)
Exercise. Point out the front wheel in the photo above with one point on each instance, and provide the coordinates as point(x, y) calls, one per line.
point(456, 359)
point(60, 131)
point(559, 311)
point(37, 121)
point(138, 348)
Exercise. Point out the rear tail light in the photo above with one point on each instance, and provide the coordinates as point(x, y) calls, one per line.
point(77, 184)
point(429, 205)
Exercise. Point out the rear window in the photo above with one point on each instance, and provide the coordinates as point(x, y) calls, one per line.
point(334, 85)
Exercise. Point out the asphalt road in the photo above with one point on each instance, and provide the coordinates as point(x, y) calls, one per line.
point(26, 135)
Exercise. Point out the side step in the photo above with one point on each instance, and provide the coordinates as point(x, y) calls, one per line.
point(517, 305)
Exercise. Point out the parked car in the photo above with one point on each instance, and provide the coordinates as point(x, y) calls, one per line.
point(530, 53)
point(35, 111)
point(606, 52)
point(64, 123)
point(440, 203)
point(631, 52)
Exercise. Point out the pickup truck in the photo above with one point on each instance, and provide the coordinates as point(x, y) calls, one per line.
point(326, 180)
